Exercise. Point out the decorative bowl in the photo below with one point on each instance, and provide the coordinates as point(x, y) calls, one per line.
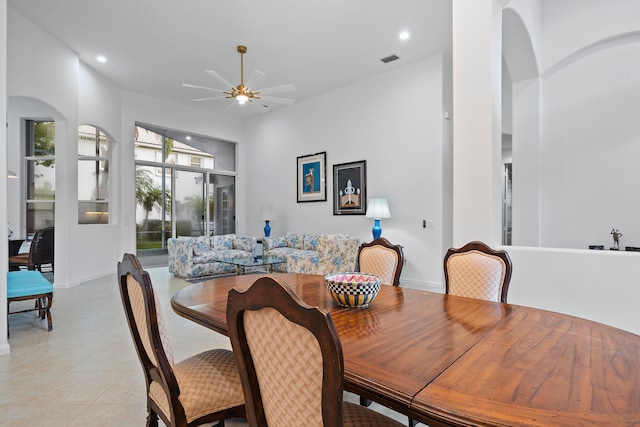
point(353, 289)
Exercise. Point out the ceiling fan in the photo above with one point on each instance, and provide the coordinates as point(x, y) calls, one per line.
point(242, 93)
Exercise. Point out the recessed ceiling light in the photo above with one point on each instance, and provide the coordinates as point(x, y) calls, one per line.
point(188, 138)
point(404, 35)
point(101, 58)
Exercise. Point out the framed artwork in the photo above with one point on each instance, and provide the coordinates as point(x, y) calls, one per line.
point(312, 180)
point(350, 188)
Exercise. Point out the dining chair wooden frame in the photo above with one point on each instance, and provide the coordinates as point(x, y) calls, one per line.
point(267, 320)
point(475, 248)
point(201, 389)
point(374, 256)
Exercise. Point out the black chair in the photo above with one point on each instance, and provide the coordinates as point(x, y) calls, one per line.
point(40, 253)
point(14, 249)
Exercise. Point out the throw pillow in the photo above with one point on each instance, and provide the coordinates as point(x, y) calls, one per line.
point(222, 242)
point(311, 242)
point(273, 242)
point(247, 244)
point(294, 240)
point(200, 245)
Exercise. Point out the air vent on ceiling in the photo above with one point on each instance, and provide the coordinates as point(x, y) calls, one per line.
point(389, 58)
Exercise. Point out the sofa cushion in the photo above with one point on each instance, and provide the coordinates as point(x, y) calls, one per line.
point(274, 242)
point(224, 241)
point(247, 244)
point(311, 243)
point(229, 255)
point(200, 245)
point(294, 240)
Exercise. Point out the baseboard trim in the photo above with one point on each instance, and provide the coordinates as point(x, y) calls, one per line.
point(422, 285)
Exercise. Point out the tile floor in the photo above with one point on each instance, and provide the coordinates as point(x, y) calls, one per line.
point(85, 372)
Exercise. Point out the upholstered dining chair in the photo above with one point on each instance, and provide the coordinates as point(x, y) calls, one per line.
point(40, 252)
point(202, 389)
point(381, 258)
point(290, 360)
point(477, 271)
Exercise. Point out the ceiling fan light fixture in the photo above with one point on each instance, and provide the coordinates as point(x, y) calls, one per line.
point(241, 93)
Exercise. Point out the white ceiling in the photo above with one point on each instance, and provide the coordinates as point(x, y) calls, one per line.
point(153, 46)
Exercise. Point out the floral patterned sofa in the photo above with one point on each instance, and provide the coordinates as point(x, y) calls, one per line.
point(191, 257)
point(313, 254)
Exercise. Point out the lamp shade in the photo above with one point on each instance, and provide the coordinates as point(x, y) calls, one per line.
point(265, 212)
point(378, 208)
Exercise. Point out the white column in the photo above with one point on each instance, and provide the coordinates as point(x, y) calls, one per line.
point(477, 76)
point(4, 249)
point(526, 163)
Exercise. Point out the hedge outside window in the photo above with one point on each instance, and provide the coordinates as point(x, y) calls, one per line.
point(93, 176)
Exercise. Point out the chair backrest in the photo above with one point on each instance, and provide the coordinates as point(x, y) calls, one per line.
point(14, 246)
point(41, 249)
point(383, 259)
point(289, 356)
point(477, 271)
point(146, 324)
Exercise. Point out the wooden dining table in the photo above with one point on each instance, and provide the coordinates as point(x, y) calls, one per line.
point(446, 360)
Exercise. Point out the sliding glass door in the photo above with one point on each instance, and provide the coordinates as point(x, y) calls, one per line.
point(178, 190)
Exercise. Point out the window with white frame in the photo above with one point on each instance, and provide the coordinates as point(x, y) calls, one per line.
point(93, 175)
point(40, 163)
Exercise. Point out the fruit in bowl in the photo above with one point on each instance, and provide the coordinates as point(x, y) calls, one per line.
point(353, 289)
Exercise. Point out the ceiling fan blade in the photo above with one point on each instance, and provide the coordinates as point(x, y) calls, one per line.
point(209, 98)
point(231, 105)
point(257, 105)
point(277, 89)
point(201, 87)
point(254, 78)
point(284, 101)
point(219, 77)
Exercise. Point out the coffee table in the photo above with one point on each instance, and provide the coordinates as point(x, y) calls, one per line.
point(245, 264)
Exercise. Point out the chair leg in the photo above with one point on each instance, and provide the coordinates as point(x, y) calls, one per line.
point(48, 311)
point(152, 418)
point(40, 307)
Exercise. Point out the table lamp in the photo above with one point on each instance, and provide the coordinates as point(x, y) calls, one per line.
point(265, 214)
point(377, 209)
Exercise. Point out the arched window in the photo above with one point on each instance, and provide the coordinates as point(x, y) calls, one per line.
point(93, 176)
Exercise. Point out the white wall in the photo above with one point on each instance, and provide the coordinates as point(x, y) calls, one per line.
point(571, 25)
point(590, 146)
point(575, 138)
point(393, 121)
point(596, 285)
